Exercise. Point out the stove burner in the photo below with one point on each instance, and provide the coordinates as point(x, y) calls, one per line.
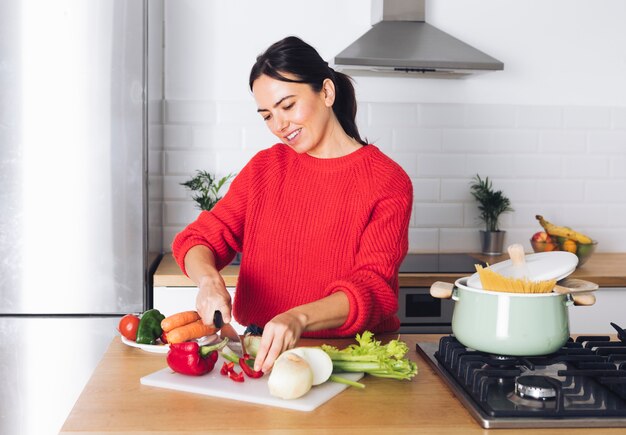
point(582, 384)
point(536, 387)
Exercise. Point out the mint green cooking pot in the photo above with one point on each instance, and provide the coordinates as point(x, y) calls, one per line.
point(518, 324)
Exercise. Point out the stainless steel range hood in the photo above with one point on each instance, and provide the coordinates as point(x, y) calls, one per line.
point(404, 44)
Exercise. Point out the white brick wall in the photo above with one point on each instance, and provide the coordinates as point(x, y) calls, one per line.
point(567, 163)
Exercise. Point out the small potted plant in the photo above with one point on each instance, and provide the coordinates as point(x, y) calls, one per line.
point(491, 204)
point(206, 189)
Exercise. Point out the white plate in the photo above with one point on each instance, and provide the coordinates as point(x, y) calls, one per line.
point(155, 348)
point(164, 348)
point(541, 266)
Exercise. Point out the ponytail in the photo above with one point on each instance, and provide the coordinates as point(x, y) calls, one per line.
point(345, 106)
point(295, 57)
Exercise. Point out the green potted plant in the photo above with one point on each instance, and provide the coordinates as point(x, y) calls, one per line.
point(205, 192)
point(206, 189)
point(491, 204)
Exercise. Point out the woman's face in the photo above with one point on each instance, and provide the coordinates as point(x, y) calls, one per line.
point(296, 114)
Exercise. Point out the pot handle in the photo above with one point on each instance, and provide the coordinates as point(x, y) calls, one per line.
point(583, 299)
point(441, 290)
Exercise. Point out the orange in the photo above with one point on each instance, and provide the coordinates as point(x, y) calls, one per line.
point(570, 246)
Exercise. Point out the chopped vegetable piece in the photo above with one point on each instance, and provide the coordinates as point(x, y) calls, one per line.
point(318, 360)
point(249, 371)
point(236, 376)
point(340, 380)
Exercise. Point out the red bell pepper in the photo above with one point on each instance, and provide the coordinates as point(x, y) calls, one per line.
point(188, 358)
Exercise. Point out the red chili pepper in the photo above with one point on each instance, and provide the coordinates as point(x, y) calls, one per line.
point(249, 370)
point(185, 358)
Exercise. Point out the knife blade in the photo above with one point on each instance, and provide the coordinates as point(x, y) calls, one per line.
point(227, 330)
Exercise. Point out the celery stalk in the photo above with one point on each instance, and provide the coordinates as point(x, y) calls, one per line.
point(369, 356)
point(341, 380)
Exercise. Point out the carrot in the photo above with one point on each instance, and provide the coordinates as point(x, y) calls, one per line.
point(179, 319)
point(189, 331)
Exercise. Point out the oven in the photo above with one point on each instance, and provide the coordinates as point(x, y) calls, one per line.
point(418, 311)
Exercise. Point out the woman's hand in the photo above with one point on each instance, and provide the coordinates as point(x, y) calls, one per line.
point(279, 334)
point(284, 330)
point(213, 296)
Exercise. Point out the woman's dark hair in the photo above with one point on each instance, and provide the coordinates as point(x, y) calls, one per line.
point(294, 56)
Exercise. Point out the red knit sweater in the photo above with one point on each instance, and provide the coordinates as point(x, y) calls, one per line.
point(307, 228)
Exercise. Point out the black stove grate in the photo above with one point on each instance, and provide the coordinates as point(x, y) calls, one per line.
point(588, 376)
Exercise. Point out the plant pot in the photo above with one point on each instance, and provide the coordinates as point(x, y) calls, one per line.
point(492, 242)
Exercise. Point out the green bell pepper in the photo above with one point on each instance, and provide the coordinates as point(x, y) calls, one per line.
point(149, 328)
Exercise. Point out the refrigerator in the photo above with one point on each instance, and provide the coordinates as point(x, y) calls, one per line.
point(80, 192)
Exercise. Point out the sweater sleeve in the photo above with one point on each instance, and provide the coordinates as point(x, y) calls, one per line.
point(372, 287)
point(220, 229)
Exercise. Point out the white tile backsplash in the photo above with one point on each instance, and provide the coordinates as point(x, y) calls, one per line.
point(539, 117)
point(587, 117)
point(562, 191)
point(466, 141)
point(567, 163)
point(562, 141)
point(617, 167)
point(488, 115)
point(413, 139)
point(610, 191)
point(589, 166)
point(392, 114)
point(177, 137)
point(610, 142)
point(441, 115)
point(217, 138)
point(618, 118)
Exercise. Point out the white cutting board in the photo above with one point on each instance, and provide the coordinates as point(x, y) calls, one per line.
point(251, 390)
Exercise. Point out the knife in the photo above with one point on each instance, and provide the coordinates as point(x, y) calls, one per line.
point(226, 330)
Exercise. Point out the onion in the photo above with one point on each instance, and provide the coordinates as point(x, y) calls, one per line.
point(318, 360)
point(252, 343)
point(291, 377)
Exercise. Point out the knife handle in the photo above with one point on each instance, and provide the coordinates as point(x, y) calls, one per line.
point(218, 321)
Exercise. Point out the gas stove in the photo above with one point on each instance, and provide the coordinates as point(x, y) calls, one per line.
point(583, 384)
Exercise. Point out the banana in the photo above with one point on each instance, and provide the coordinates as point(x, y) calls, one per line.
point(555, 230)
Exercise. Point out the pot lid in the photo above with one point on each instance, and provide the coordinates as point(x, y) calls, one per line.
point(542, 266)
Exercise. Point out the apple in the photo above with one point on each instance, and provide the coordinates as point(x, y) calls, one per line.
point(541, 236)
point(542, 242)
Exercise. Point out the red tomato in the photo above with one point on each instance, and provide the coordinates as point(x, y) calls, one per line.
point(163, 338)
point(128, 326)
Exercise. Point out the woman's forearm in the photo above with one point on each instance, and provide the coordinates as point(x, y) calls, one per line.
point(200, 263)
point(327, 313)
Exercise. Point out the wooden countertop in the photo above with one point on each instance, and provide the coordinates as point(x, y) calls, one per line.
point(115, 402)
point(605, 269)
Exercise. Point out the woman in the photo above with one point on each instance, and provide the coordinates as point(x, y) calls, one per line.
point(321, 217)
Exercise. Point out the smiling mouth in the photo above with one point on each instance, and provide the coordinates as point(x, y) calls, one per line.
point(293, 134)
